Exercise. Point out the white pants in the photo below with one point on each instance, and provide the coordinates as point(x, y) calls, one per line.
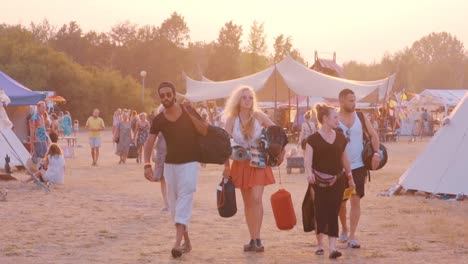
point(181, 183)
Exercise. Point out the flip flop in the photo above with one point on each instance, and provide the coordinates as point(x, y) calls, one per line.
point(319, 252)
point(335, 254)
point(343, 238)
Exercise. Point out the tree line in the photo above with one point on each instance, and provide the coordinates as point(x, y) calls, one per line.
point(102, 69)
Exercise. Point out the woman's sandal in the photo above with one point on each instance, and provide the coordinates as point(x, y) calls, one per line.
point(250, 246)
point(335, 254)
point(319, 252)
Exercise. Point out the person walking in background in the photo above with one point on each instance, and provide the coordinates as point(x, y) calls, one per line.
point(134, 120)
point(324, 160)
point(67, 124)
point(115, 122)
point(244, 122)
point(307, 129)
point(353, 130)
point(60, 124)
point(180, 166)
point(95, 126)
point(123, 136)
point(142, 131)
point(76, 127)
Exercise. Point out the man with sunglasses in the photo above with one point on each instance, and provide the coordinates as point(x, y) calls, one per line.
point(352, 127)
point(180, 166)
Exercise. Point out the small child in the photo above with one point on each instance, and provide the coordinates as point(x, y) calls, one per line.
point(52, 168)
point(76, 127)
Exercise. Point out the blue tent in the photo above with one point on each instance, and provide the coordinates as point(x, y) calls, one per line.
point(18, 93)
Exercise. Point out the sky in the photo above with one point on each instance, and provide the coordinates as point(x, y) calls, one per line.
point(359, 30)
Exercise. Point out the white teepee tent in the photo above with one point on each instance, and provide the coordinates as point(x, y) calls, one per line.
point(443, 166)
point(9, 143)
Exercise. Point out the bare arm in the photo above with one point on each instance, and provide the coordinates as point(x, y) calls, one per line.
point(228, 127)
point(148, 148)
point(308, 156)
point(373, 134)
point(264, 120)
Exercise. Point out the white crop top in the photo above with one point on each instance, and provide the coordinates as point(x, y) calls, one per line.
point(239, 138)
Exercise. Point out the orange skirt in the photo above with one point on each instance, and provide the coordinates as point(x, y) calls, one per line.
point(244, 177)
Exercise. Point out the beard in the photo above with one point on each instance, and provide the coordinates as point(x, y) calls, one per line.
point(168, 103)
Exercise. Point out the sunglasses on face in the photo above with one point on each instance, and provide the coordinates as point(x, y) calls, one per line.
point(165, 95)
point(348, 135)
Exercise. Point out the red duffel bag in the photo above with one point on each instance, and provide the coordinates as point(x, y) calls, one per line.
point(283, 209)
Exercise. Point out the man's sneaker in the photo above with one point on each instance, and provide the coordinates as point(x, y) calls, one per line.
point(353, 243)
point(343, 238)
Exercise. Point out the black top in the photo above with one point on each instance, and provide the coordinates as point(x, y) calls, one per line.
point(181, 138)
point(327, 157)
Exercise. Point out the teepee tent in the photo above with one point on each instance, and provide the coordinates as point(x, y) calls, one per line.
point(442, 167)
point(9, 143)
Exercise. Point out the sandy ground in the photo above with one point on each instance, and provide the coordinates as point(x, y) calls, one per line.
point(111, 214)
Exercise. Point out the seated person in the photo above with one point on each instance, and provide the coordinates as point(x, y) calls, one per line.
point(52, 169)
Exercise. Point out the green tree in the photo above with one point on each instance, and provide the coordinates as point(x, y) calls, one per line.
point(224, 62)
point(175, 30)
point(256, 47)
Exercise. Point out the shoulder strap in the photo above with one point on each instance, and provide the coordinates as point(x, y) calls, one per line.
point(311, 130)
point(365, 132)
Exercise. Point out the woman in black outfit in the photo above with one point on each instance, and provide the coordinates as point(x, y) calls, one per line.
point(325, 159)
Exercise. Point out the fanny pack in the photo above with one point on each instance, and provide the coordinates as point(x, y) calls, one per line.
point(324, 179)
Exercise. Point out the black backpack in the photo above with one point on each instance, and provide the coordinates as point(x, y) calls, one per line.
point(368, 151)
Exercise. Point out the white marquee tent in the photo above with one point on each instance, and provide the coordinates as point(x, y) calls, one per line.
point(442, 167)
point(285, 79)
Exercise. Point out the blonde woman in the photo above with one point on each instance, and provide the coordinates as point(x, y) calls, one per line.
point(244, 122)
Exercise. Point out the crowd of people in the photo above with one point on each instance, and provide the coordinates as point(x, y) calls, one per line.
point(332, 141)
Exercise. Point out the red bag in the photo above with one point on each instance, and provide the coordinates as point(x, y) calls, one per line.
point(283, 209)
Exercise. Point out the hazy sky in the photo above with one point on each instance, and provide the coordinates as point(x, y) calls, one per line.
point(361, 30)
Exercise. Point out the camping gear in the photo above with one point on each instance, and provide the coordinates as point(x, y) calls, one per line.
point(132, 151)
point(283, 208)
point(295, 163)
point(272, 142)
point(368, 151)
point(214, 142)
point(226, 198)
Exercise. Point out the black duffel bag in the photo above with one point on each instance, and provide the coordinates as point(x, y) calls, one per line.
point(214, 142)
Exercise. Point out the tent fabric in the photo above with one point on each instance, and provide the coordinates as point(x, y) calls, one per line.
point(287, 78)
point(10, 145)
point(436, 98)
point(446, 153)
point(18, 93)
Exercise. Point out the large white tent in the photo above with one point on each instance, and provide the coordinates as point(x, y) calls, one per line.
point(442, 167)
point(9, 143)
point(285, 79)
point(435, 98)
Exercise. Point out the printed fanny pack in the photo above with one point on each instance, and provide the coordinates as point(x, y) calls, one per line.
point(324, 179)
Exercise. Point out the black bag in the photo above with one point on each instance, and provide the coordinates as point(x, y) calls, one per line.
point(214, 142)
point(308, 211)
point(226, 198)
point(368, 151)
point(132, 152)
point(272, 142)
point(215, 147)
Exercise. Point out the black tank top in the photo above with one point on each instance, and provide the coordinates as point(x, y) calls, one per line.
point(181, 138)
point(327, 157)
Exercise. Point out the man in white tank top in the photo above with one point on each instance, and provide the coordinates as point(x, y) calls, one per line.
point(353, 130)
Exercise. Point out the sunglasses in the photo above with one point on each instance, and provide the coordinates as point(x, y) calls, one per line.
point(348, 135)
point(245, 97)
point(165, 95)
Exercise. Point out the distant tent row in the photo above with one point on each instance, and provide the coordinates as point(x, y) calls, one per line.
point(285, 80)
